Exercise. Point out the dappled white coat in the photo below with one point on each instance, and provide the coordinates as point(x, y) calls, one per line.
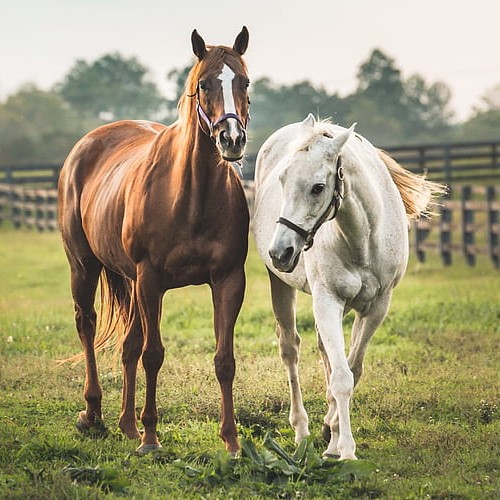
point(356, 259)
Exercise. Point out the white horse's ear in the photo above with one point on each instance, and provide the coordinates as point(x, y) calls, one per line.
point(309, 121)
point(339, 141)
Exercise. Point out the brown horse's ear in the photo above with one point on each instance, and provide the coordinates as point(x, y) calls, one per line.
point(241, 42)
point(198, 44)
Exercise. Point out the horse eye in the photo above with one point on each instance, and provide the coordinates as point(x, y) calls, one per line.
point(246, 84)
point(203, 85)
point(317, 189)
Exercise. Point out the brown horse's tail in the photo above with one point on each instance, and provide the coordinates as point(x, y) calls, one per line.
point(114, 314)
point(416, 191)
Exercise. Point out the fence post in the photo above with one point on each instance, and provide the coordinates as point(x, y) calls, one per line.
point(421, 232)
point(493, 225)
point(467, 226)
point(445, 237)
point(4, 200)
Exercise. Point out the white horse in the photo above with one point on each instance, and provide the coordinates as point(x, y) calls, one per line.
point(331, 219)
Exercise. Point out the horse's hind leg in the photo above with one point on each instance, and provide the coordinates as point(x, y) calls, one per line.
point(84, 278)
point(284, 304)
point(362, 331)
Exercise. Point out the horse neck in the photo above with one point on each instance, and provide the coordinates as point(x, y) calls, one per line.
point(195, 163)
point(360, 214)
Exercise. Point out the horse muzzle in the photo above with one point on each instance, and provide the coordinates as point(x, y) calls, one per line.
point(284, 258)
point(231, 139)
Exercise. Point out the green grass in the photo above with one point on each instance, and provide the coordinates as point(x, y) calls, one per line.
point(424, 415)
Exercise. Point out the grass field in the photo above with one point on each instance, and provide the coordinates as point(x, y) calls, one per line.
point(424, 415)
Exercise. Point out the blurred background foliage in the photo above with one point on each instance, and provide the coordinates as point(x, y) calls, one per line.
point(40, 126)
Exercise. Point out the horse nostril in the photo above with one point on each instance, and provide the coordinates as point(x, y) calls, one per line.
point(224, 140)
point(241, 140)
point(286, 255)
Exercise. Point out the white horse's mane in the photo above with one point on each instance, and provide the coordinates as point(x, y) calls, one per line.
point(308, 135)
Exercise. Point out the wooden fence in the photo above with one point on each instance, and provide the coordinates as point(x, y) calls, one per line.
point(29, 207)
point(466, 223)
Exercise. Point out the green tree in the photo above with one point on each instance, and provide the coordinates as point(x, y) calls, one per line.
point(380, 80)
point(482, 126)
point(36, 126)
point(393, 111)
point(427, 107)
point(112, 88)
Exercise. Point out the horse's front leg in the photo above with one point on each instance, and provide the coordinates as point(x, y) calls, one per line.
point(227, 297)
point(328, 312)
point(326, 430)
point(284, 307)
point(362, 331)
point(148, 295)
point(131, 352)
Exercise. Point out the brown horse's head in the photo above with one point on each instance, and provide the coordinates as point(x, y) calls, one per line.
point(219, 80)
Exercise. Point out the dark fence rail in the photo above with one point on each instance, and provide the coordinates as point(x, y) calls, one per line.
point(462, 163)
point(40, 175)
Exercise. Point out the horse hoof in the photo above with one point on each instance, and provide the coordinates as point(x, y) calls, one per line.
point(144, 449)
point(330, 455)
point(95, 428)
point(326, 433)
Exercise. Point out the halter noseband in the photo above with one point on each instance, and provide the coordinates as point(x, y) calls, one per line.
point(202, 115)
point(335, 202)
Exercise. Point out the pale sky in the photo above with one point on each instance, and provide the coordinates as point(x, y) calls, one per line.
point(323, 41)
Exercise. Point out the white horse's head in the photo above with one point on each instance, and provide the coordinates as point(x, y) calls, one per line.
point(312, 184)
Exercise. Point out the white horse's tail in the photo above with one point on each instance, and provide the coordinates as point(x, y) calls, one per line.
point(416, 191)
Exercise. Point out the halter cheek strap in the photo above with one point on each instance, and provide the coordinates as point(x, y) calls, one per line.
point(335, 202)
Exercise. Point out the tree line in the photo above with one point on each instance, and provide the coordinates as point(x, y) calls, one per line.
point(39, 126)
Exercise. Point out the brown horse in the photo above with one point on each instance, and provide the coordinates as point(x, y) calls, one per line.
point(146, 208)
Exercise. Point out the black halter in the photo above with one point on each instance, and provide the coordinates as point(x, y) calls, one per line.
point(335, 202)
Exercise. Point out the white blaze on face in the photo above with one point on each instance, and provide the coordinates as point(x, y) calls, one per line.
point(226, 77)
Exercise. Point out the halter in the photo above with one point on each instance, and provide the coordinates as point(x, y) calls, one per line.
point(202, 115)
point(335, 202)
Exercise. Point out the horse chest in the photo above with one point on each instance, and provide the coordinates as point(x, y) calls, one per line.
point(197, 262)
